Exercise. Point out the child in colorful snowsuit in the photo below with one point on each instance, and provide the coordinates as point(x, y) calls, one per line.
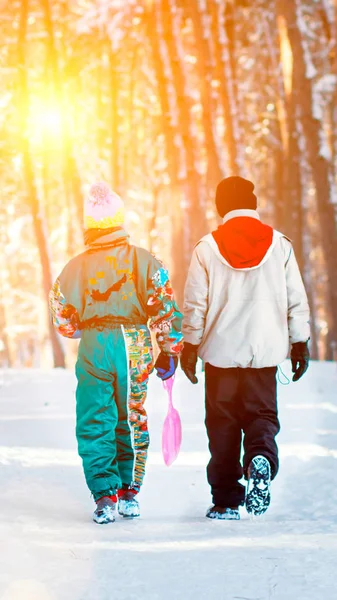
point(245, 303)
point(108, 296)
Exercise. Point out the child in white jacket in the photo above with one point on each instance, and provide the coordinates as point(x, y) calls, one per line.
point(245, 303)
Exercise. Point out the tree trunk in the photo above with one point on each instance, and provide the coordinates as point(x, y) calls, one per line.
point(169, 126)
point(113, 92)
point(195, 210)
point(320, 166)
point(36, 210)
point(281, 152)
point(205, 62)
point(228, 91)
point(5, 355)
point(293, 217)
point(72, 181)
point(173, 143)
point(130, 147)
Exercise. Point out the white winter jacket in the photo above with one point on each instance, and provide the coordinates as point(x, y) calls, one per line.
point(244, 316)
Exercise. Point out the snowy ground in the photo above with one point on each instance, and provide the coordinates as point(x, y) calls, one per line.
point(50, 549)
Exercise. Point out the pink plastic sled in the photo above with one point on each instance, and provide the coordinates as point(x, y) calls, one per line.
point(171, 437)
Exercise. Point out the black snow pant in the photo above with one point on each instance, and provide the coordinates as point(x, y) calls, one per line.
point(239, 401)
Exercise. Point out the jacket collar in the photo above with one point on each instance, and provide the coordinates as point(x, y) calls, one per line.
point(96, 239)
point(241, 212)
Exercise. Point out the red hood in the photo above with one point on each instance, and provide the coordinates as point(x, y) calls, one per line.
point(243, 241)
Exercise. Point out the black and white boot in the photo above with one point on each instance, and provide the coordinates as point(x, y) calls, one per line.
point(223, 514)
point(128, 505)
point(105, 510)
point(258, 489)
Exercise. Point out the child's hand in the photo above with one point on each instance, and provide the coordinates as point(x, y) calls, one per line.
point(166, 366)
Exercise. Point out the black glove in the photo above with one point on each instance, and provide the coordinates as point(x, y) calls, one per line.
point(166, 365)
point(188, 361)
point(300, 357)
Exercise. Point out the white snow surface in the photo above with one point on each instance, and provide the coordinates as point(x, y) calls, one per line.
point(51, 550)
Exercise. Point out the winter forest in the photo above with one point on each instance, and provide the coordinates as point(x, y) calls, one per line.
point(162, 98)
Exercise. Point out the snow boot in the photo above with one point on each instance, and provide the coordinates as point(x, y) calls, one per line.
point(258, 489)
point(223, 514)
point(106, 510)
point(128, 505)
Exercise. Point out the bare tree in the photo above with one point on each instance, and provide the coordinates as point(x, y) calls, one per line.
point(31, 190)
point(224, 69)
point(319, 163)
point(206, 63)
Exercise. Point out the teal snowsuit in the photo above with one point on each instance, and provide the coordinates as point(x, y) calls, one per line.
point(108, 296)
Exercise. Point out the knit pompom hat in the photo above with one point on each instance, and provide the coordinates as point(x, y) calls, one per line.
point(234, 193)
point(103, 208)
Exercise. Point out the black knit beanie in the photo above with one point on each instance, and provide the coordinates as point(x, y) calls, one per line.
point(234, 193)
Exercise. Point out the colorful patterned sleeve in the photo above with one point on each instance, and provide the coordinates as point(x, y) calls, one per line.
point(164, 314)
point(65, 317)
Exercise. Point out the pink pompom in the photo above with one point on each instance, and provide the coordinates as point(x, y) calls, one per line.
point(100, 193)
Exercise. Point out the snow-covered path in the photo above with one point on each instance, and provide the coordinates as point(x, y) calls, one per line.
point(50, 549)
